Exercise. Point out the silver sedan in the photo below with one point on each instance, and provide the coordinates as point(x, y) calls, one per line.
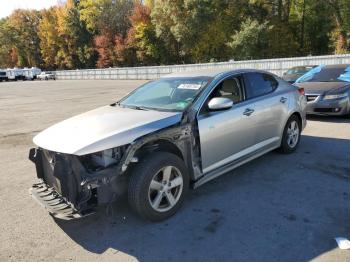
point(327, 90)
point(183, 129)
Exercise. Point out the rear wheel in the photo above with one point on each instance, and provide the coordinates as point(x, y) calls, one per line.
point(158, 186)
point(291, 135)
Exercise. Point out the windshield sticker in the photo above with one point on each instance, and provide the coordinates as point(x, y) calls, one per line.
point(309, 75)
point(346, 76)
point(189, 86)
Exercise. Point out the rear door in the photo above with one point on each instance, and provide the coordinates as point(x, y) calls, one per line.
point(270, 105)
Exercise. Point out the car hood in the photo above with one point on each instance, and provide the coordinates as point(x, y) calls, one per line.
point(103, 128)
point(319, 88)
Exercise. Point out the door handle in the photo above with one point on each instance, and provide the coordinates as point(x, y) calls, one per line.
point(248, 112)
point(283, 99)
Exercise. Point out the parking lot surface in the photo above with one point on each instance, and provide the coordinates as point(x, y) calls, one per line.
point(275, 208)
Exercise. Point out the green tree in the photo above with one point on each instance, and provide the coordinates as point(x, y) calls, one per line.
point(8, 54)
point(106, 16)
point(75, 49)
point(340, 10)
point(251, 41)
point(142, 46)
point(24, 26)
point(50, 41)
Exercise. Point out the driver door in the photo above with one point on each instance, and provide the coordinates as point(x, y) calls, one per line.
point(224, 135)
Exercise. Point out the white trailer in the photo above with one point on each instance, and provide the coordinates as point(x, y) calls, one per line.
point(15, 74)
point(31, 73)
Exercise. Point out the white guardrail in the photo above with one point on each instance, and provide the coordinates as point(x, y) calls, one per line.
point(277, 66)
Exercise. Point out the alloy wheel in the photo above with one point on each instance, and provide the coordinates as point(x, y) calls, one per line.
point(165, 189)
point(293, 134)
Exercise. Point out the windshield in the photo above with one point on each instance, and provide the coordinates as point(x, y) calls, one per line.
point(327, 74)
point(173, 94)
point(299, 70)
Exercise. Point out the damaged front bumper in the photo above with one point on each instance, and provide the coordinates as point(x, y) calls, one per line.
point(56, 205)
point(69, 190)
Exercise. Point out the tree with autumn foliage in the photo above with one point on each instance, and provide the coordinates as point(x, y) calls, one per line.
point(141, 46)
point(76, 49)
point(108, 20)
point(23, 31)
point(50, 41)
point(106, 33)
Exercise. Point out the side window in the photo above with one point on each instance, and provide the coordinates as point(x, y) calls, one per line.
point(258, 84)
point(229, 88)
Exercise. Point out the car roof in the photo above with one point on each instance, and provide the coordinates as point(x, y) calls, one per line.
point(303, 66)
point(338, 66)
point(211, 72)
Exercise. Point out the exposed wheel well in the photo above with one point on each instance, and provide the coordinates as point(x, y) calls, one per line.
point(159, 145)
point(297, 114)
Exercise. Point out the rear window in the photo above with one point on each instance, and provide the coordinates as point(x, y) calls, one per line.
point(328, 75)
point(299, 70)
point(258, 84)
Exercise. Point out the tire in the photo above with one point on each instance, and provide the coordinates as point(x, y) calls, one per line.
point(292, 128)
point(154, 203)
point(347, 116)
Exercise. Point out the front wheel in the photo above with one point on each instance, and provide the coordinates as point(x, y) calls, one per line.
point(291, 135)
point(158, 186)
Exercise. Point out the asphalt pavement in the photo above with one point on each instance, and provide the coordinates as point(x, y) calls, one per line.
point(275, 208)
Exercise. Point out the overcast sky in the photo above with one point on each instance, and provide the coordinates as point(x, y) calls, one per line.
point(7, 6)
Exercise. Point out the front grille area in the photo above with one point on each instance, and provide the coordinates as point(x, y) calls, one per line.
point(310, 98)
point(59, 189)
point(49, 165)
point(58, 174)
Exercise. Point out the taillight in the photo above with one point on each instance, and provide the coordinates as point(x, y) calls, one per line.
point(301, 91)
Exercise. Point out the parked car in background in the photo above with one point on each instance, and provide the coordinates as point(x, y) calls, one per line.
point(46, 76)
point(31, 73)
point(3, 75)
point(295, 72)
point(327, 89)
point(183, 129)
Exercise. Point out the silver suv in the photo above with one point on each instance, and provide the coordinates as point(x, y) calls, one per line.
point(179, 131)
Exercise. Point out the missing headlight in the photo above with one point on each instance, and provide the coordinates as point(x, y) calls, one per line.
point(103, 159)
point(107, 157)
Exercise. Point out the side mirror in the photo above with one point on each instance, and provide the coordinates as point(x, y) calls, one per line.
point(220, 103)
